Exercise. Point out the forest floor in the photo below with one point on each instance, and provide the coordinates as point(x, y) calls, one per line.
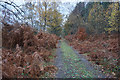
point(71, 64)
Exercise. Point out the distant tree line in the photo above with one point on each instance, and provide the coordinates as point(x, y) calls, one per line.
point(96, 17)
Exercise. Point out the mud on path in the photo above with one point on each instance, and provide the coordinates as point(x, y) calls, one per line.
point(71, 64)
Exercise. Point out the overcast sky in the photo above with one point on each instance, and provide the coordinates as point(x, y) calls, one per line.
point(65, 8)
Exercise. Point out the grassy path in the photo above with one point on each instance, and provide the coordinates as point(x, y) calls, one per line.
point(73, 65)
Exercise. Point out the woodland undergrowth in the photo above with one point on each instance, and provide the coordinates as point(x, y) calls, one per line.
point(102, 49)
point(26, 51)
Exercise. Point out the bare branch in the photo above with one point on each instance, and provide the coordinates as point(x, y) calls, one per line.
point(11, 11)
point(15, 6)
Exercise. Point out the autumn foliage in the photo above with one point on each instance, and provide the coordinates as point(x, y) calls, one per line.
point(102, 49)
point(25, 52)
point(79, 35)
